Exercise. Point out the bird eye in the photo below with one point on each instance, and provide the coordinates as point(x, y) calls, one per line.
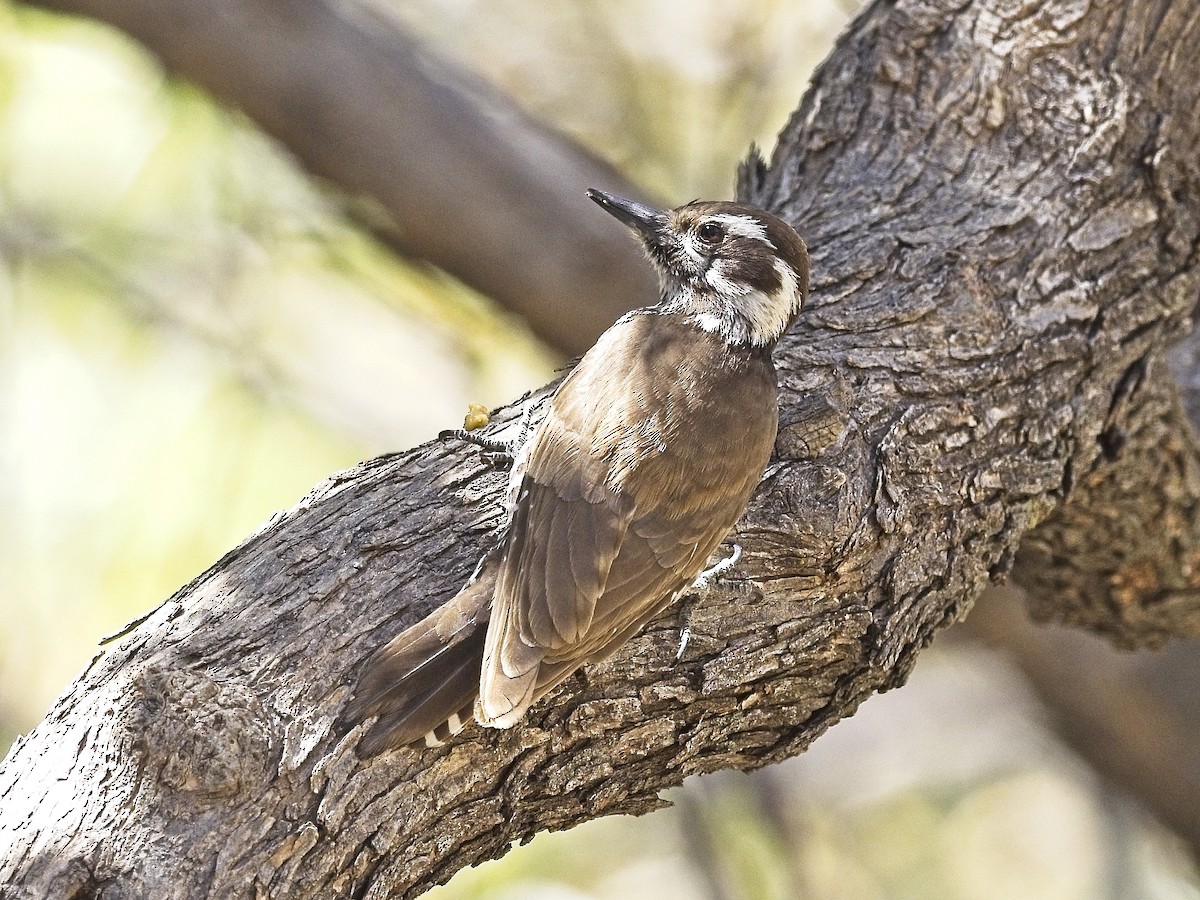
point(711, 233)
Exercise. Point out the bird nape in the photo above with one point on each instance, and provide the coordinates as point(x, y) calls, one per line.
point(647, 454)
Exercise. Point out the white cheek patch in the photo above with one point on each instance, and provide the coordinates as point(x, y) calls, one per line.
point(718, 279)
point(789, 288)
point(744, 226)
point(745, 315)
point(768, 315)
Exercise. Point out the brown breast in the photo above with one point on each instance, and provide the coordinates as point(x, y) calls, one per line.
point(649, 454)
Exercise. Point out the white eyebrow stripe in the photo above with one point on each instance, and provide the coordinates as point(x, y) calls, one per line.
point(744, 226)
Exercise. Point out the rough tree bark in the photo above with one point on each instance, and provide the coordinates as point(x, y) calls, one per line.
point(282, 88)
point(1000, 200)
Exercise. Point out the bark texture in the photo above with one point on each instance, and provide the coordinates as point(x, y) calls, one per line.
point(1122, 558)
point(1000, 199)
point(455, 173)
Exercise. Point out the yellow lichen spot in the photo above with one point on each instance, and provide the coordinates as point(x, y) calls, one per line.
point(476, 417)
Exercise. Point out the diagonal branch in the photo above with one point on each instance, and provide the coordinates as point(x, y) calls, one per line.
point(997, 200)
point(463, 177)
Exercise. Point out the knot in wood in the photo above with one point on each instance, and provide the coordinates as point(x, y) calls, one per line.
point(199, 736)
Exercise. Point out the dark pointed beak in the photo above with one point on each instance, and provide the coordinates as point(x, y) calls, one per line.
point(641, 218)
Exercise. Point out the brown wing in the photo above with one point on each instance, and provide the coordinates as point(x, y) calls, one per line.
point(620, 503)
point(565, 532)
point(669, 541)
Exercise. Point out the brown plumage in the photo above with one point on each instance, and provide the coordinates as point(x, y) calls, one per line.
point(647, 455)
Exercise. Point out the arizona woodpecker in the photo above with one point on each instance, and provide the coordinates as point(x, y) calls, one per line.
point(648, 454)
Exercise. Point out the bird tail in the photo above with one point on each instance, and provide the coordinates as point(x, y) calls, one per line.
point(422, 685)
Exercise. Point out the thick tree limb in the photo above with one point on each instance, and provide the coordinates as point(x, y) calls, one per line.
point(997, 200)
point(1123, 556)
point(465, 179)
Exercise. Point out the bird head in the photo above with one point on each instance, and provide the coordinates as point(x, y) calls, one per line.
point(737, 271)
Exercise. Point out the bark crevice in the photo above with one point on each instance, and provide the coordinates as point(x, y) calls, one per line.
point(992, 267)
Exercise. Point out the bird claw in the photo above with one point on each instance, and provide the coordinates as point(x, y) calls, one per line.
point(711, 574)
point(496, 453)
point(685, 634)
point(490, 445)
point(703, 581)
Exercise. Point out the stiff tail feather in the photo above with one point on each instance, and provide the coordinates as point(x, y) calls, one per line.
point(423, 684)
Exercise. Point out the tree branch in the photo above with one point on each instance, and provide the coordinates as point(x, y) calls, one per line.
point(1122, 556)
point(997, 201)
point(1113, 715)
point(463, 177)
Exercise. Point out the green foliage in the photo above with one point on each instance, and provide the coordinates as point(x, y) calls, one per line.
point(192, 334)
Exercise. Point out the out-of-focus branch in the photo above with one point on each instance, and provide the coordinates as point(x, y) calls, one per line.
point(1120, 558)
point(992, 258)
point(466, 180)
point(1103, 707)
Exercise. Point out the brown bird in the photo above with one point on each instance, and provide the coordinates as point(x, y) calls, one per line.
point(646, 457)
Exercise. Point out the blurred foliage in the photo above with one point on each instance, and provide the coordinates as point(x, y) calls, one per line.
point(192, 334)
point(672, 92)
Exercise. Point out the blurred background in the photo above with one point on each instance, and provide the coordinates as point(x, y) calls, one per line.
point(194, 331)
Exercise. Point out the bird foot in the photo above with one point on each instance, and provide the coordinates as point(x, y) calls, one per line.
point(703, 581)
point(496, 453)
point(685, 635)
point(712, 573)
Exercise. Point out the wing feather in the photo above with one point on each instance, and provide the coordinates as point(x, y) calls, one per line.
point(617, 512)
